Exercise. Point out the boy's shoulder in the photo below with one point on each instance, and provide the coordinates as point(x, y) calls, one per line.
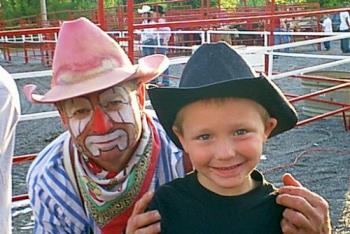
point(178, 186)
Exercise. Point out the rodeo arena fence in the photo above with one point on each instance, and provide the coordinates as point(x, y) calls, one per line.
point(37, 46)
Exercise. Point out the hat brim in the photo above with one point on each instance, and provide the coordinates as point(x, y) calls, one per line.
point(148, 68)
point(168, 101)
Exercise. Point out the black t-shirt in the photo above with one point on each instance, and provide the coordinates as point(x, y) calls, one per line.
point(186, 206)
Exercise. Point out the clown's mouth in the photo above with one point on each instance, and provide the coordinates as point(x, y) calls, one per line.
point(117, 139)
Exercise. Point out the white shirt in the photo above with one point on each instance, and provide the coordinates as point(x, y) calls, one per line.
point(166, 35)
point(148, 33)
point(327, 25)
point(344, 16)
point(9, 115)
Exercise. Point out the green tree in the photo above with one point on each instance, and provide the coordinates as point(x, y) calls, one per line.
point(20, 8)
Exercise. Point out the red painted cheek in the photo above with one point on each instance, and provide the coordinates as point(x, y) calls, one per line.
point(100, 121)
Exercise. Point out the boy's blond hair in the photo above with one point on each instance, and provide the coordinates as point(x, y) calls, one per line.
point(179, 116)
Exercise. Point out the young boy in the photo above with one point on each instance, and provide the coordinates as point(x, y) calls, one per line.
point(221, 115)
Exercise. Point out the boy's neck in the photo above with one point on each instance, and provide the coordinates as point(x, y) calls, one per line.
point(248, 186)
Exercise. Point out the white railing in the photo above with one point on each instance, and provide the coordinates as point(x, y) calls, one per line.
point(206, 37)
point(273, 50)
point(158, 34)
point(263, 34)
point(33, 38)
point(270, 51)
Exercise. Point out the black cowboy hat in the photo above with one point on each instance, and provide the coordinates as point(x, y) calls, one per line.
point(217, 70)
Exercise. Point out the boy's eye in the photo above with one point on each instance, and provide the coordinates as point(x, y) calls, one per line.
point(203, 137)
point(240, 132)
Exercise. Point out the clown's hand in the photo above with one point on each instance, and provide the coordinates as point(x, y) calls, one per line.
point(306, 211)
point(141, 222)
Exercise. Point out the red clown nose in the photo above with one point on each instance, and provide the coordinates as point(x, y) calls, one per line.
point(101, 123)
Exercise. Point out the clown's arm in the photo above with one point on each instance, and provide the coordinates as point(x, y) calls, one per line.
point(306, 212)
point(143, 222)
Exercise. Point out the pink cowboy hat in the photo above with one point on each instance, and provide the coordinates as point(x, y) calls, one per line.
point(87, 60)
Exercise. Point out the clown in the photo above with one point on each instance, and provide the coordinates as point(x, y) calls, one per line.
point(90, 177)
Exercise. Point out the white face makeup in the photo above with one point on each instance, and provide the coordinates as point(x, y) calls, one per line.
point(79, 111)
point(110, 111)
point(118, 138)
point(116, 104)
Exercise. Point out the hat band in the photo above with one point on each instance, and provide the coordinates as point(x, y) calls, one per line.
point(73, 77)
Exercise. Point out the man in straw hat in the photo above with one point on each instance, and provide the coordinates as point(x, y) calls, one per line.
point(225, 187)
point(90, 177)
point(10, 111)
point(148, 35)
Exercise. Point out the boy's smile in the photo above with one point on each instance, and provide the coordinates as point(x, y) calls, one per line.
point(227, 171)
point(224, 139)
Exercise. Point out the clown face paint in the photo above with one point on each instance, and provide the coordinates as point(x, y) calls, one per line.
point(104, 122)
point(118, 138)
point(115, 103)
point(79, 112)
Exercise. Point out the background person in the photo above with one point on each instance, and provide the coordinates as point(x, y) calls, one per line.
point(278, 23)
point(327, 28)
point(148, 35)
point(10, 111)
point(286, 38)
point(344, 27)
point(280, 26)
point(163, 42)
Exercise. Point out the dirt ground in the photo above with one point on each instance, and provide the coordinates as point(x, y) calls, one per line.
point(318, 154)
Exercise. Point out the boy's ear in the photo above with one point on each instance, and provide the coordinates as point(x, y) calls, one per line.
point(270, 124)
point(179, 135)
point(186, 158)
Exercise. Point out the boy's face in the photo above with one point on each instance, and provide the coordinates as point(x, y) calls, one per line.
point(224, 140)
point(104, 125)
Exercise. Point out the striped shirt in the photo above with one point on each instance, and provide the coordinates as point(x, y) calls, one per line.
point(56, 206)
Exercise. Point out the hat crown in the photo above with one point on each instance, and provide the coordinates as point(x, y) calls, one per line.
point(88, 60)
point(83, 52)
point(216, 62)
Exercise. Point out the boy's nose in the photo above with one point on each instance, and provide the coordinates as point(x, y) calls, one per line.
point(100, 122)
point(225, 150)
